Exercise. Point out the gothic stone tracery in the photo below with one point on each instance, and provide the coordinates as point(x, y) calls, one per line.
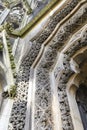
point(41, 101)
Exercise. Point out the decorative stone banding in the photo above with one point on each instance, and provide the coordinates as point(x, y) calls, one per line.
point(46, 63)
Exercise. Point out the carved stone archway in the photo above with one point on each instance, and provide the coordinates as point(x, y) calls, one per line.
point(76, 119)
point(76, 86)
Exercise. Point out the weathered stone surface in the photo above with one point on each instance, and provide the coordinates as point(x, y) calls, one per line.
point(46, 69)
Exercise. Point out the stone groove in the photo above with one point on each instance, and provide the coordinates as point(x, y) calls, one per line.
point(47, 63)
point(17, 120)
point(55, 20)
point(67, 72)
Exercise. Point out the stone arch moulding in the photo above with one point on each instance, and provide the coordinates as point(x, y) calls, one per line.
point(63, 73)
point(47, 63)
point(42, 83)
point(26, 65)
point(74, 81)
point(74, 111)
point(71, 88)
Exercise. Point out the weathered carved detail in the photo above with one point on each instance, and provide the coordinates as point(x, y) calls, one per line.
point(55, 20)
point(23, 78)
point(48, 60)
point(64, 77)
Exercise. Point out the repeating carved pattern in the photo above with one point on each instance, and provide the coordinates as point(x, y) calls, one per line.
point(43, 95)
point(47, 63)
point(55, 20)
point(64, 77)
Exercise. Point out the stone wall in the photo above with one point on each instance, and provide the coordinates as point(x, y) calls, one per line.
point(42, 101)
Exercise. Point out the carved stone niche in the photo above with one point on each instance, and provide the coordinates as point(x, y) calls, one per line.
point(77, 96)
point(74, 111)
point(76, 92)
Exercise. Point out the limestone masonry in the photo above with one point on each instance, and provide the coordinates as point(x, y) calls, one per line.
point(43, 64)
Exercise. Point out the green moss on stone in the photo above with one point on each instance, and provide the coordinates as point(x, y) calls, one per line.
point(12, 91)
point(1, 46)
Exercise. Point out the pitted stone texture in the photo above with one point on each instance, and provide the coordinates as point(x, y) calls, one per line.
point(43, 82)
point(48, 61)
point(55, 20)
point(17, 120)
point(43, 100)
point(64, 77)
point(22, 83)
